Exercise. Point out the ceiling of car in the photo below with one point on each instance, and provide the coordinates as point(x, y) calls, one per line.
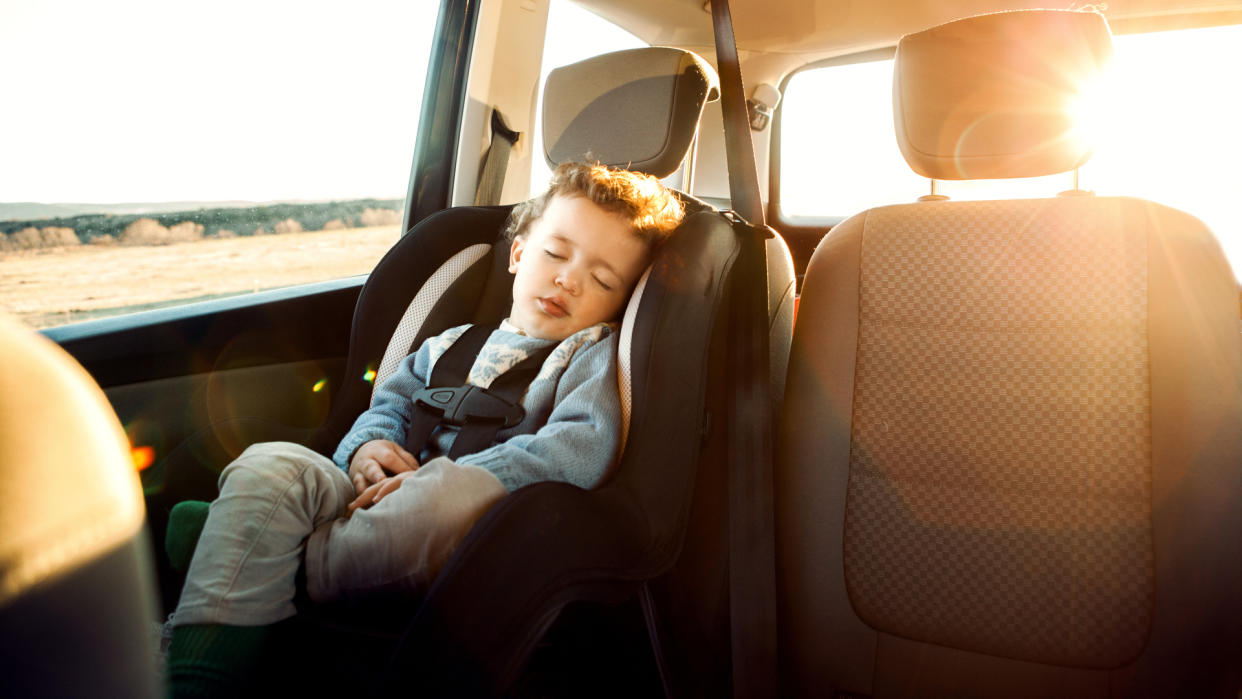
point(814, 29)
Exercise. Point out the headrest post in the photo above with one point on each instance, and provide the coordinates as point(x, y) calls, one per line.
point(1076, 191)
point(933, 196)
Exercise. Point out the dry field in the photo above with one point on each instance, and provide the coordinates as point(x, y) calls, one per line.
point(63, 285)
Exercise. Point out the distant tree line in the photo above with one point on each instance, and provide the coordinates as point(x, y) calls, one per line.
point(181, 226)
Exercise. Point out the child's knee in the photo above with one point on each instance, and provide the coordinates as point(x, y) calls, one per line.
point(274, 466)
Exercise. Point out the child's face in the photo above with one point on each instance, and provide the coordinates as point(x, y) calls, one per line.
point(575, 267)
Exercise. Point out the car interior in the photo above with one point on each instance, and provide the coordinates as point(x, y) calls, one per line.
point(933, 446)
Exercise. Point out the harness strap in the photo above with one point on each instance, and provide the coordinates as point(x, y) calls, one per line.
point(481, 413)
point(477, 435)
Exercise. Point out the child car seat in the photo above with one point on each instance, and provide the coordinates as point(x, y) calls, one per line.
point(552, 543)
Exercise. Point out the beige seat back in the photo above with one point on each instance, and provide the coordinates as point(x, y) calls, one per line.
point(1010, 457)
point(77, 589)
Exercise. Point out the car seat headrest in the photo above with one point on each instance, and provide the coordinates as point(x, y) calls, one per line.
point(69, 493)
point(996, 95)
point(637, 109)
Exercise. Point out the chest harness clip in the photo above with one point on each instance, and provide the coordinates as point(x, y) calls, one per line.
point(479, 412)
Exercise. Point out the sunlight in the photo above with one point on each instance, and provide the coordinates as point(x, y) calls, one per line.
point(1164, 119)
point(1094, 108)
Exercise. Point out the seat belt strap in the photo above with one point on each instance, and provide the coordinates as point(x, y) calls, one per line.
point(496, 162)
point(752, 567)
point(480, 413)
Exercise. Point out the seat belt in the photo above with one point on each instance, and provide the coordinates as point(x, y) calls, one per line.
point(492, 177)
point(479, 412)
point(752, 560)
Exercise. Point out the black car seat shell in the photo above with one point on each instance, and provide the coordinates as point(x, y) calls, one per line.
point(1009, 454)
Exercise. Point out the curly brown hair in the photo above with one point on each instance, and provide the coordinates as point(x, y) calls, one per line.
point(651, 209)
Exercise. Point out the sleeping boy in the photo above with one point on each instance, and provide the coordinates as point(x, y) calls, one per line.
point(377, 517)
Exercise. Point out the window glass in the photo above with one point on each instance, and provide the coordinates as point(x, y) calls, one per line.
point(1167, 132)
point(574, 34)
point(158, 153)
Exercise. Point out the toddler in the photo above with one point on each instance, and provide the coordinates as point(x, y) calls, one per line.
point(381, 518)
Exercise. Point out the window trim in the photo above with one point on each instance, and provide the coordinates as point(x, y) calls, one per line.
point(775, 212)
point(444, 104)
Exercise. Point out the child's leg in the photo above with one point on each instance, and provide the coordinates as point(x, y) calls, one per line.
point(242, 577)
point(271, 498)
point(403, 541)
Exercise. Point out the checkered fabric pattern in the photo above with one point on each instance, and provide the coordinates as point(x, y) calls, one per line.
point(1000, 489)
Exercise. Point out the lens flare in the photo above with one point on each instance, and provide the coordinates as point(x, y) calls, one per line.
point(319, 385)
point(1094, 109)
point(143, 457)
point(369, 375)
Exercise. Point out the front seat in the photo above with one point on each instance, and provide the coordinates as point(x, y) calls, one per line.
point(77, 592)
point(1009, 462)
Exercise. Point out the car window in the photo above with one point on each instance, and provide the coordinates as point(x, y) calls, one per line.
point(574, 34)
point(1167, 132)
point(158, 153)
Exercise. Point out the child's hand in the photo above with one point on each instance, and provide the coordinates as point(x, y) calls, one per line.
point(376, 491)
point(376, 460)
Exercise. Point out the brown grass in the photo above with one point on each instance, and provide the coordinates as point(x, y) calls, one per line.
point(52, 287)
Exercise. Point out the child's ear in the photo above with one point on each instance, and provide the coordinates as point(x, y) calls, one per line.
point(515, 253)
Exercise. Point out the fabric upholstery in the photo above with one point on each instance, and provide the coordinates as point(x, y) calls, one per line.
point(420, 307)
point(1058, 534)
point(999, 494)
point(637, 109)
point(995, 95)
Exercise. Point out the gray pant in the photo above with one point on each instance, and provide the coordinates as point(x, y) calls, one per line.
point(281, 502)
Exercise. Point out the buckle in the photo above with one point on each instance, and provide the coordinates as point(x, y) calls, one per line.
point(461, 404)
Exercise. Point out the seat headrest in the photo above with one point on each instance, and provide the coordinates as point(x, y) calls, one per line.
point(995, 96)
point(636, 109)
point(69, 492)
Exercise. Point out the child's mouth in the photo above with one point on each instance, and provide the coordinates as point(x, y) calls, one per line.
point(552, 307)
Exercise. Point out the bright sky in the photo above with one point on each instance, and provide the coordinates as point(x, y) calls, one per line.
point(162, 100)
point(1169, 132)
point(281, 99)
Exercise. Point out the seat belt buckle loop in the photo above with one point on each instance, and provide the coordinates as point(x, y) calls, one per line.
point(459, 405)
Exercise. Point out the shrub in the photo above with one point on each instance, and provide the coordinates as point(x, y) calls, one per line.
point(56, 236)
point(104, 239)
point(380, 217)
point(145, 231)
point(26, 239)
point(288, 226)
point(224, 233)
point(335, 224)
point(5, 245)
point(185, 232)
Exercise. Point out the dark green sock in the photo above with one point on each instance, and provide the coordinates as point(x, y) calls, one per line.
point(213, 660)
point(185, 525)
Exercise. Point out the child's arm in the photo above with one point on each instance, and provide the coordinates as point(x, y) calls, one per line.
point(389, 414)
point(583, 432)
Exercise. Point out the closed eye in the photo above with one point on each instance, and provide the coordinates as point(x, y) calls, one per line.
point(601, 283)
point(553, 255)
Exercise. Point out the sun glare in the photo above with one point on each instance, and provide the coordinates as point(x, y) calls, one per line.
point(1094, 107)
point(1164, 119)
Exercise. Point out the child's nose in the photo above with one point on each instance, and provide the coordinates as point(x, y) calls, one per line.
point(567, 280)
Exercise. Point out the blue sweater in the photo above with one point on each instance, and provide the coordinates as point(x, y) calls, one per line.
point(572, 428)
